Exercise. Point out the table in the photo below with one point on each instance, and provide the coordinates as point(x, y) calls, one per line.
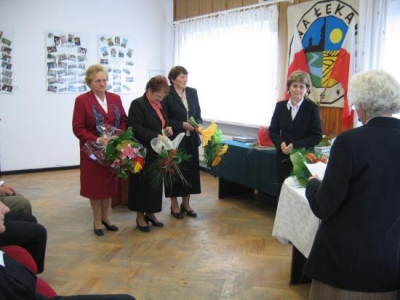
point(295, 223)
point(244, 169)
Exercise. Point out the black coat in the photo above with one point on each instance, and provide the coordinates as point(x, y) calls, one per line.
point(177, 114)
point(305, 131)
point(357, 245)
point(143, 196)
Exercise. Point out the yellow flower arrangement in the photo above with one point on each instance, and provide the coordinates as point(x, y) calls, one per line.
point(211, 142)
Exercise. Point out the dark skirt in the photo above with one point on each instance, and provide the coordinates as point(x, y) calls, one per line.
point(143, 196)
point(190, 170)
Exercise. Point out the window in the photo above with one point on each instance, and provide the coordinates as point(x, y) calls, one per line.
point(390, 61)
point(232, 89)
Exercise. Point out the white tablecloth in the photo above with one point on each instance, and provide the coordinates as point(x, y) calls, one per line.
point(294, 220)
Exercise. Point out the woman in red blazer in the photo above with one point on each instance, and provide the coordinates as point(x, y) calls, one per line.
point(94, 109)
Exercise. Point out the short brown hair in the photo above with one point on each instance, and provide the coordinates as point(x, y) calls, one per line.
point(175, 71)
point(92, 71)
point(157, 84)
point(299, 76)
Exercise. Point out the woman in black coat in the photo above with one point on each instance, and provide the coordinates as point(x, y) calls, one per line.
point(356, 251)
point(181, 104)
point(147, 119)
point(295, 124)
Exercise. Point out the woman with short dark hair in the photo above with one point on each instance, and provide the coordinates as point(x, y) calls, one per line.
point(182, 103)
point(148, 120)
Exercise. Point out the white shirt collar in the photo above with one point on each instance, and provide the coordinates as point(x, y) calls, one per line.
point(290, 104)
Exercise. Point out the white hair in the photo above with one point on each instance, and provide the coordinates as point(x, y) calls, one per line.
point(376, 91)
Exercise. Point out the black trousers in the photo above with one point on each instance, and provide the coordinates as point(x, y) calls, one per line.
point(23, 230)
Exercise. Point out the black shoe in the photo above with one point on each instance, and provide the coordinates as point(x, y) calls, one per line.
point(154, 222)
point(143, 228)
point(111, 227)
point(190, 213)
point(177, 215)
point(99, 232)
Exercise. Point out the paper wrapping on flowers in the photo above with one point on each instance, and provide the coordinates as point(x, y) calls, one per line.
point(166, 168)
point(122, 152)
point(303, 160)
point(211, 141)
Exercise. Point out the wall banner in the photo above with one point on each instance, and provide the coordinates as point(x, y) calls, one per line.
point(325, 32)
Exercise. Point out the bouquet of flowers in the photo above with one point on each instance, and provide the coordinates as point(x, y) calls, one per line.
point(211, 142)
point(121, 153)
point(167, 165)
point(299, 159)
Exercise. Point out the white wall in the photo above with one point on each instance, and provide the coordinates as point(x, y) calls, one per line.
point(35, 126)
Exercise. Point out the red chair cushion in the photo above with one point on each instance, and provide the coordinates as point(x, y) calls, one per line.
point(22, 256)
point(44, 289)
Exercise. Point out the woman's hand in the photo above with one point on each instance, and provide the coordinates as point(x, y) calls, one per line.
point(168, 131)
point(187, 126)
point(286, 149)
point(6, 190)
point(103, 140)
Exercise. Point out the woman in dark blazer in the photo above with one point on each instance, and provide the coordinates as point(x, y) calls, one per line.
point(181, 104)
point(295, 123)
point(147, 119)
point(92, 110)
point(356, 251)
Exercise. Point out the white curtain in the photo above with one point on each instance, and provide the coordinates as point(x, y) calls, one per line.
point(379, 30)
point(379, 33)
point(372, 24)
point(390, 57)
point(232, 89)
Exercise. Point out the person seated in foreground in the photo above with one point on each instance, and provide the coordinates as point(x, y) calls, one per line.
point(17, 282)
point(23, 230)
point(13, 200)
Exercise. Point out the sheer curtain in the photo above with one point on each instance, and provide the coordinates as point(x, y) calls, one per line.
point(390, 57)
point(378, 36)
point(232, 61)
point(379, 29)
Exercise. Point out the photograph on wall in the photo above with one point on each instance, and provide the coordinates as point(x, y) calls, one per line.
point(66, 54)
point(6, 69)
point(116, 53)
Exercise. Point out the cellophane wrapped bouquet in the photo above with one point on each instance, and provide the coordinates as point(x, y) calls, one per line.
point(211, 142)
point(122, 152)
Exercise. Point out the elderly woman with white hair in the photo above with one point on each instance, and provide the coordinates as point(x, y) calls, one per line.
point(356, 251)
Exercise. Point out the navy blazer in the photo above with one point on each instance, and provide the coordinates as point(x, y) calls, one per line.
point(177, 113)
point(304, 131)
point(357, 245)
